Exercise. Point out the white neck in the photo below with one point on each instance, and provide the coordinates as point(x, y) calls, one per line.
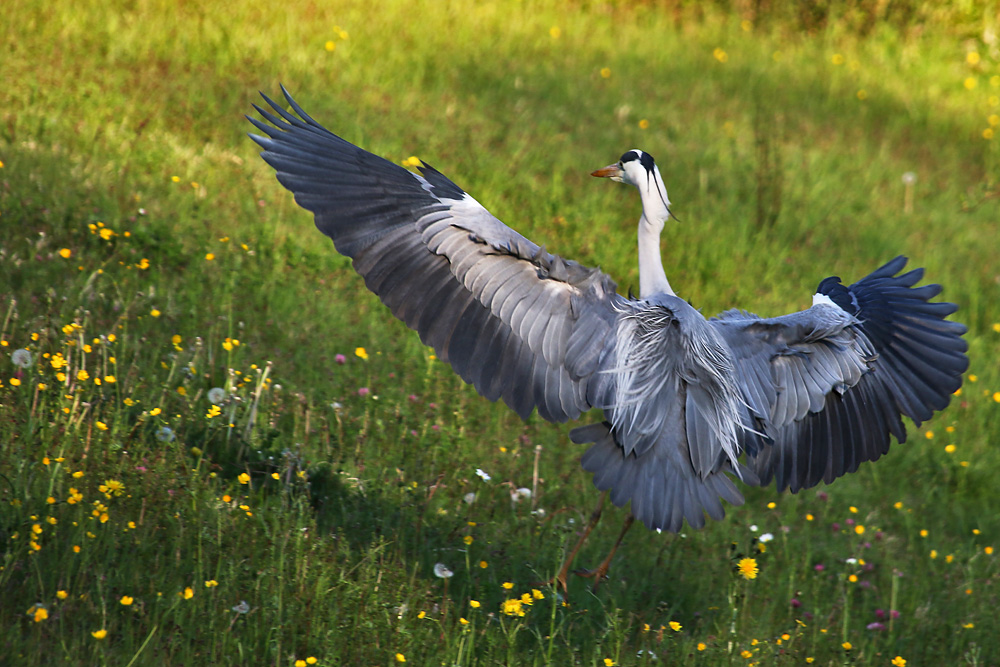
point(652, 279)
point(655, 212)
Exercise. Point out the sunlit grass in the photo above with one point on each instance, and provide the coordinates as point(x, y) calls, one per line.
point(216, 448)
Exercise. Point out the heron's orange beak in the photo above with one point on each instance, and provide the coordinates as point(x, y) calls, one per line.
point(610, 171)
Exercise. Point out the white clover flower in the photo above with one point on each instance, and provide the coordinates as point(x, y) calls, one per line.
point(486, 477)
point(766, 537)
point(442, 572)
point(851, 561)
point(165, 434)
point(753, 528)
point(21, 358)
point(469, 498)
point(217, 395)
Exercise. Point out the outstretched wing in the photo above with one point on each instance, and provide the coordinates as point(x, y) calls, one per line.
point(830, 384)
point(514, 321)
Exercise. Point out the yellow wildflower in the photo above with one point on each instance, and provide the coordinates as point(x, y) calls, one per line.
point(748, 568)
point(111, 487)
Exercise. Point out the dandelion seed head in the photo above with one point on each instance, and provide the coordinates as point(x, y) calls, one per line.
point(216, 395)
point(442, 572)
point(520, 494)
point(21, 358)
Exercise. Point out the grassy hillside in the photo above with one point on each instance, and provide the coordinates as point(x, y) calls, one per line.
point(218, 448)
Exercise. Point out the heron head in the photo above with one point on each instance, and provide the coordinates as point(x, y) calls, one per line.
point(635, 167)
point(638, 168)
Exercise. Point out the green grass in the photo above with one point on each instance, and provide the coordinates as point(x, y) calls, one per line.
point(128, 117)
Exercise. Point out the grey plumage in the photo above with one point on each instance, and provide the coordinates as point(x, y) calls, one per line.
point(688, 402)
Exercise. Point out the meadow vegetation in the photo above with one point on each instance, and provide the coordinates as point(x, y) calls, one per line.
point(217, 448)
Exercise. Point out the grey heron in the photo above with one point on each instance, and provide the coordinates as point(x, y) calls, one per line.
point(689, 403)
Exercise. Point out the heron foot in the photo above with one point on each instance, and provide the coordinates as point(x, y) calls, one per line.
point(598, 574)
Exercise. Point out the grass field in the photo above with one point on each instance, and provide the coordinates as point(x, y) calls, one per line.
point(219, 449)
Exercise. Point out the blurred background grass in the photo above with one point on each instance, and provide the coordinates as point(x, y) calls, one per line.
point(783, 132)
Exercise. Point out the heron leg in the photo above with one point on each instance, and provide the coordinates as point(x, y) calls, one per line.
point(595, 516)
point(601, 571)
